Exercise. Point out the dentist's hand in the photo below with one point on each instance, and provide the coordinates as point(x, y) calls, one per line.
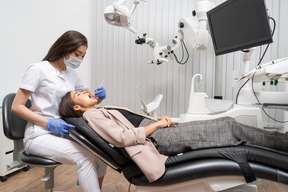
point(100, 92)
point(59, 126)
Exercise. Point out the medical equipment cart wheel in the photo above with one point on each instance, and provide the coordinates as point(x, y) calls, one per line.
point(3, 178)
point(26, 168)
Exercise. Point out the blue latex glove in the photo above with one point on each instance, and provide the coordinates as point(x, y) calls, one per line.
point(100, 92)
point(59, 126)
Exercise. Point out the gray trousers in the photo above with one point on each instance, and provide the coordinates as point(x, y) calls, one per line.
point(220, 132)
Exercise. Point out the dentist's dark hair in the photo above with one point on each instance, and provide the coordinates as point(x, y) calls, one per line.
point(66, 107)
point(65, 44)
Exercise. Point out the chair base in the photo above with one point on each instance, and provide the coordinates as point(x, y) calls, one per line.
point(208, 184)
point(49, 178)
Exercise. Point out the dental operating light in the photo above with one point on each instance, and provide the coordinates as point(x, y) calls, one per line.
point(119, 15)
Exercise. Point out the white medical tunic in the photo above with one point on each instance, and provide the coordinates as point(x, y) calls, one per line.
point(48, 86)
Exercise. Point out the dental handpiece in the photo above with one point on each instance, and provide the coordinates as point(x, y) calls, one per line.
point(101, 83)
point(99, 86)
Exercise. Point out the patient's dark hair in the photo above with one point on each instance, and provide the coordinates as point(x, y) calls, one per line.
point(66, 107)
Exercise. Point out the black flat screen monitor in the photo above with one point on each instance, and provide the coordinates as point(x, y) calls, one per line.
point(239, 24)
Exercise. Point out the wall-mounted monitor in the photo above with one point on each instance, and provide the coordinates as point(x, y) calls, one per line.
point(239, 24)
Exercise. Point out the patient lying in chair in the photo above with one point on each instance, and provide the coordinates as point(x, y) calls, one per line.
point(148, 141)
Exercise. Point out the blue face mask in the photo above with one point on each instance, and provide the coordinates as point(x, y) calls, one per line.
point(72, 62)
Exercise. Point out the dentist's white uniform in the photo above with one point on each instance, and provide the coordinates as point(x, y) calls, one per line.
point(48, 87)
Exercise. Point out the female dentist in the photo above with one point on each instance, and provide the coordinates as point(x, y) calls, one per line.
point(46, 83)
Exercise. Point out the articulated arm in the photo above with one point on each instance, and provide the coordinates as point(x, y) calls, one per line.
point(160, 53)
point(195, 32)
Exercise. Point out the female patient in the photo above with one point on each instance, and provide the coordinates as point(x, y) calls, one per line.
point(139, 134)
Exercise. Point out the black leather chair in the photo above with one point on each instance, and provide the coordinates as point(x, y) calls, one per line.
point(215, 169)
point(14, 127)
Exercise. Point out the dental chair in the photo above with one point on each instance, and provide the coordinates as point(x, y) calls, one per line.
point(239, 168)
point(14, 127)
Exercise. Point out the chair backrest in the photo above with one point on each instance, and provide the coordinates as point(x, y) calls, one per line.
point(13, 125)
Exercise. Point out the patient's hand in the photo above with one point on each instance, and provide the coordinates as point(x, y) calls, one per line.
point(161, 123)
point(165, 122)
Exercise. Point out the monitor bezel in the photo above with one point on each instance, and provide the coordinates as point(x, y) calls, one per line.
point(245, 45)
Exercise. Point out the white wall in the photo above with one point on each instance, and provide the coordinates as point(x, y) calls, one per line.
point(123, 64)
point(30, 27)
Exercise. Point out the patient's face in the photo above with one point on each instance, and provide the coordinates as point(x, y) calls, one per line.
point(83, 98)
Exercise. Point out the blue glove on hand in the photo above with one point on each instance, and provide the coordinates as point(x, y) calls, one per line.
point(100, 92)
point(59, 126)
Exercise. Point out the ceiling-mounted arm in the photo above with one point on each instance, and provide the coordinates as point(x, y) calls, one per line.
point(135, 3)
point(118, 14)
point(123, 9)
point(196, 31)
